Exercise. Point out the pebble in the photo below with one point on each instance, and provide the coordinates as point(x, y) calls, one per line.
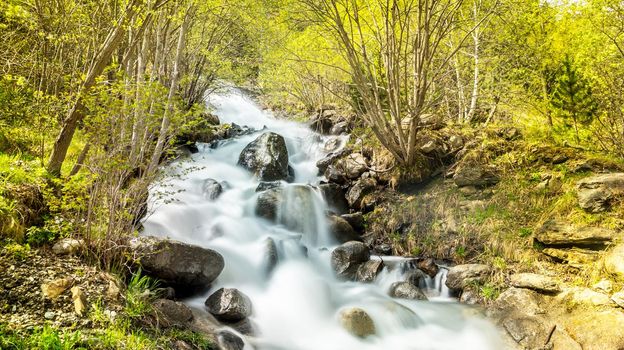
point(49, 315)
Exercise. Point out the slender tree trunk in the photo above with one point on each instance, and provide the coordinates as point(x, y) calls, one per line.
point(475, 85)
point(75, 114)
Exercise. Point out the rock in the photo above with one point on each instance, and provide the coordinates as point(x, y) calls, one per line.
point(168, 293)
point(229, 305)
point(334, 195)
point(332, 145)
point(67, 246)
point(112, 291)
point(339, 128)
point(267, 185)
point(211, 189)
point(475, 175)
point(347, 258)
point(618, 298)
point(323, 122)
point(341, 229)
point(268, 203)
point(406, 290)
point(428, 266)
point(604, 286)
point(181, 345)
point(368, 271)
point(177, 264)
point(460, 276)
point(357, 322)
point(49, 315)
point(80, 300)
point(555, 233)
point(470, 296)
point(266, 157)
point(229, 341)
point(529, 331)
point(348, 168)
point(614, 261)
point(597, 329)
point(539, 283)
point(359, 190)
point(429, 147)
point(583, 296)
point(356, 220)
point(572, 256)
point(210, 118)
point(271, 258)
point(596, 193)
point(416, 278)
point(324, 163)
point(172, 313)
point(456, 143)
point(54, 289)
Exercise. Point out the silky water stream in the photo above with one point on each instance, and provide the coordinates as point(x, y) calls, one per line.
point(296, 306)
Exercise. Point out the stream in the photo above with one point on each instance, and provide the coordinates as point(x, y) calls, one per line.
point(296, 306)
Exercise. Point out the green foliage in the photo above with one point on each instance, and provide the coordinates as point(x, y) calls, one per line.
point(142, 290)
point(17, 251)
point(489, 292)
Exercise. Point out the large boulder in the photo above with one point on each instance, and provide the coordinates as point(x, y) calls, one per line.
point(175, 263)
point(475, 175)
point(406, 290)
point(266, 157)
point(229, 305)
point(341, 229)
point(460, 276)
point(347, 258)
point(539, 283)
point(597, 193)
point(359, 190)
point(357, 322)
point(554, 233)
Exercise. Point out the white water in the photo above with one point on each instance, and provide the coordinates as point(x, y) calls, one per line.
point(296, 307)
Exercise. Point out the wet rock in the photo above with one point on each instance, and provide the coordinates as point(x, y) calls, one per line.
point(271, 257)
point(211, 189)
point(428, 266)
point(332, 145)
point(556, 233)
point(406, 290)
point(461, 275)
point(229, 305)
point(177, 264)
point(347, 258)
point(356, 220)
point(268, 203)
point(266, 157)
point(596, 193)
point(267, 185)
point(339, 128)
point(471, 296)
point(614, 261)
point(348, 168)
point(54, 289)
point(368, 271)
point(359, 190)
point(229, 341)
point(341, 229)
point(67, 246)
point(357, 322)
point(475, 175)
point(416, 278)
point(539, 283)
point(334, 195)
point(172, 313)
point(80, 300)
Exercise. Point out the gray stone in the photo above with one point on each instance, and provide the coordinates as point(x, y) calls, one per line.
point(267, 185)
point(211, 189)
point(266, 157)
point(341, 229)
point(406, 290)
point(556, 233)
point(356, 220)
point(360, 189)
point(460, 276)
point(67, 246)
point(49, 315)
point(357, 322)
point(536, 282)
point(334, 195)
point(416, 278)
point(172, 313)
point(475, 175)
point(368, 271)
point(175, 263)
point(347, 258)
point(268, 203)
point(596, 193)
point(229, 341)
point(229, 305)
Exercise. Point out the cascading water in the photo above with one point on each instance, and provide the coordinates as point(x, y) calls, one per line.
point(297, 305)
